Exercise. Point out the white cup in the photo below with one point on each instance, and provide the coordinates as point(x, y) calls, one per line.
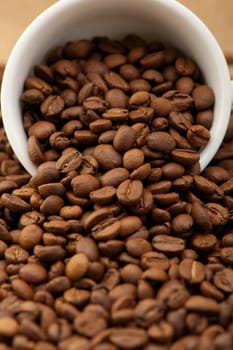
point(164, 20)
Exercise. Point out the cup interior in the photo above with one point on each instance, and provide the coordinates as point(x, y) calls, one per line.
point(67, 20)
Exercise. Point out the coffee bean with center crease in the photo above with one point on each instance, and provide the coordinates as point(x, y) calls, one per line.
point(129, 192)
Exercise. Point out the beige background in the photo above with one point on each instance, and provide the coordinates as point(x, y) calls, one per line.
point(15, 15)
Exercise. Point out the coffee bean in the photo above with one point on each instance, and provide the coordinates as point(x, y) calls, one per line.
point(84, 184)
point(30, 236)
point(133, 159)
point(131, 338)
point(129, 192)
point(77, 266)
point(8, 326)
point(107, 156)
point(33, 273)
point(124, 139)
point(168, 244)
point(115, 128)
point(161, 141)
point(192, 271)
point(106, 230)
point(223, 280)
point(198, 135)
point(203, 97)
point(199, 303)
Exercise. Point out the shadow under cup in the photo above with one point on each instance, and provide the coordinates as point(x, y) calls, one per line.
point(164, 20)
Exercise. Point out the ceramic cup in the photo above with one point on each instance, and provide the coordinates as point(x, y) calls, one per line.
point(164, 20)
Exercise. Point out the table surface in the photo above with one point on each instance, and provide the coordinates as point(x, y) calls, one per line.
point(15, 16)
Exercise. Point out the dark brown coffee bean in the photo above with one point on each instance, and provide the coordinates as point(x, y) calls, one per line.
point(201, 216)
point(129, 72)
point(153, 60)
point(115, 81)
point(204, 242)
point(161, 141)
point(32, 97)
point(182, 225)
point(139, 85)
point(107, 156)
point(203, 97)
point(33, 82)
point(219, 215)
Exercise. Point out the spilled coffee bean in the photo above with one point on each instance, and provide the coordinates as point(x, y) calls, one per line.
point(118, 241)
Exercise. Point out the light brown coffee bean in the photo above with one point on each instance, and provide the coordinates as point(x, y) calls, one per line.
point(104, 195)
point(199, 303)
point(192, 271)
point(77, 266)
point(124, 139)
point(107, 156)
point(137, 247)
point(198, 135)
point(133, 159)
point(33, 273)
point(8, 326)
point(167, 244)
point(129, 192)
point(30, 236)
point(129, 338)
point(114, 177)
point(84, 184)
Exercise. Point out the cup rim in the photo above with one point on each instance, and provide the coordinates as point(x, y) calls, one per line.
point(29, 35)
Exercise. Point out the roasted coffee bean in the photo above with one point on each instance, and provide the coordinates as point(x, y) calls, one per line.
point(118, 240)
point(124, 139)
point(192, 271)
point(201, 304)
point(129, 192)
point(161, 141)
point(33, 273)
point(167, 244)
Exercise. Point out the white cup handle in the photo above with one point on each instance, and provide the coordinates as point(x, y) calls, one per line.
point(231, 87)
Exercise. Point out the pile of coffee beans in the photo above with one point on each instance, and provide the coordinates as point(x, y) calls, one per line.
point(118, 241)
